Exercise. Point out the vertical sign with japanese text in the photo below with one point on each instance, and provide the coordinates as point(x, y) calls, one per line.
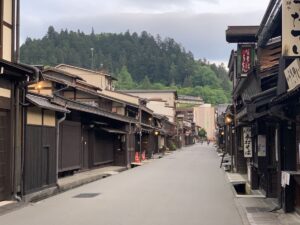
point(290, 28)
point(247, 142)
point(292, 74)
point(245, 59)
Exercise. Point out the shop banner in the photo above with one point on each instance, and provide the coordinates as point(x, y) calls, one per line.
point(292, 74)
point(247, 142)
point(290, 27)
point(245, 59)
point(261, 146)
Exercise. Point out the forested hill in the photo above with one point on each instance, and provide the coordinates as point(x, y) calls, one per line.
point(138, 60)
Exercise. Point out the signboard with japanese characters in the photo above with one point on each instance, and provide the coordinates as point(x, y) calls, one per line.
point(247, 142)
point(245, 59)
point(261, 146)
point(292, 74)
point(290, 28)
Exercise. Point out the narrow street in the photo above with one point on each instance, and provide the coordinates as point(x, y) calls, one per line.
point(184, 188)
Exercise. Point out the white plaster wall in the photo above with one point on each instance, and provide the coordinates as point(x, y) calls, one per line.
point(205, 117)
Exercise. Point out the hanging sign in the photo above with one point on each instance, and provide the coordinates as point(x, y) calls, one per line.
point(261, 145)
point(290, 28)
point(247, 142)
point(285, 179)
point(245, 59)
point(292, 74)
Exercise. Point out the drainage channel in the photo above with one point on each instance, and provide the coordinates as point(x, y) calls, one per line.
point(242, 191)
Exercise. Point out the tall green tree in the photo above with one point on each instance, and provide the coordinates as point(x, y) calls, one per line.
point(164, 62)
point(124, 79)
point(145, 84)
point(202, 133)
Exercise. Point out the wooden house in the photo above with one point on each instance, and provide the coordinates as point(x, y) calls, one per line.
point(89, 132)
point(159, 101)
point(266, 106)
point(254, 71)
point(14, 78)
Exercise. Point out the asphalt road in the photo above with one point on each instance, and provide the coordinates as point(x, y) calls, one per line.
point(185, 188)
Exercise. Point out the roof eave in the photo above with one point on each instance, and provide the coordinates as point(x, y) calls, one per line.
point(242, 34)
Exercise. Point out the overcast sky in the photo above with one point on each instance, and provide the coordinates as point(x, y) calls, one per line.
point(199, 25)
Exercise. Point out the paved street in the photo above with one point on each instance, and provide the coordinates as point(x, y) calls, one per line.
point(184, 188)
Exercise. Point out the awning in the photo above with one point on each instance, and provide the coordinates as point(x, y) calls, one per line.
point(44, 103)
point(14, 69)
point(237, 34)
point(75, 105)
point(247, 112)
point(286, 96)
point(113, 131)
point(144, 108)
point(147, 129)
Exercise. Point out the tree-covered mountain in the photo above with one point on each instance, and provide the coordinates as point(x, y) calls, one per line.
point(138, 60)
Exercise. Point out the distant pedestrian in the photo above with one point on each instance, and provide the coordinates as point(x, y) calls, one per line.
point(208, 141)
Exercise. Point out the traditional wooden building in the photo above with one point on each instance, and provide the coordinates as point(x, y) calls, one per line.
point(285, 106)
point(13, 81)
point(170, 130)
point(159, 101)
point(145, 137)
point(14, 78)
point(254, 71)
point(265, 73)
point(40, 148)
point(87, 129)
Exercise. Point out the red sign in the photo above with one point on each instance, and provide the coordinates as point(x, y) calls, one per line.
point(246, 60)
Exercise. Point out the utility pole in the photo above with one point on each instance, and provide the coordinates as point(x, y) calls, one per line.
point(92, 64)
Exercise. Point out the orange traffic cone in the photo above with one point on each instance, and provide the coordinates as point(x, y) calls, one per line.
point(143, 156)
point(137, 158)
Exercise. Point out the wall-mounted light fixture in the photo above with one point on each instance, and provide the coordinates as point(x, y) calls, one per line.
point(228, 119)
point(38, 86)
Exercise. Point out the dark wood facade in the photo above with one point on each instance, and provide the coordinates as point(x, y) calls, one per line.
point(103, 146)
point(264, 101)
point(11, 128)
point(40, 158)
point(5, 150)
point(70, 148)
point(67, 126)
point(289, 147)
point(40, 144)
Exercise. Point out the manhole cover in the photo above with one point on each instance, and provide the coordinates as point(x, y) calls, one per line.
point(86, 195)
point(256, 209)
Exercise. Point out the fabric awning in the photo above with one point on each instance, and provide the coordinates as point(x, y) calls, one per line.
point(113, 131)
point(44, 103)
